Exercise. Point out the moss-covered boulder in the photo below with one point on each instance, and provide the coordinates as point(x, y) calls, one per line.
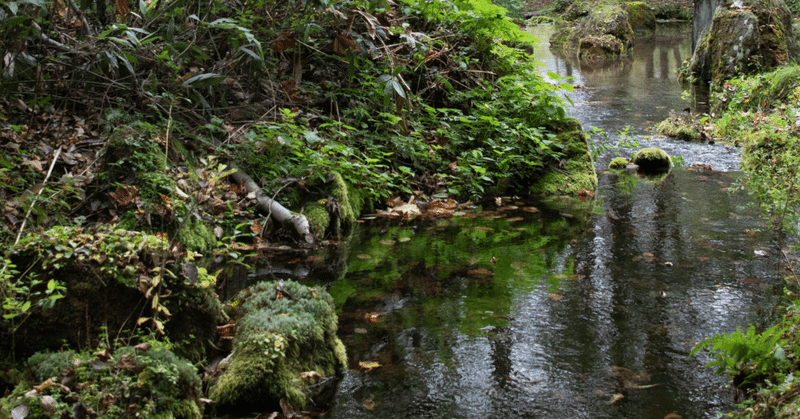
point(682, 128)
point(641, 17)
point(603, 23)
point(618, 163)
point(285, 341)
point(146, 381)
point(745, 37)
point(652, 159)
point(575, 172)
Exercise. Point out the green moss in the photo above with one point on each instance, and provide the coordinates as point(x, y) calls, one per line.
point(197, 236)
point(578, 173)
point(652, 159)
point(618, 163)
point(318, 219)
point(641, 17)
point(276, 340)
point(149, 383)
point(678, 128)
point(350, 201)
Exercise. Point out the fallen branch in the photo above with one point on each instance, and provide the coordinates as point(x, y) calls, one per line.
point(269, 205)
point(33, 203)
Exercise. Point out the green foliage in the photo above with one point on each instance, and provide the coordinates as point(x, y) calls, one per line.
point(756, 354)
point(760, 113)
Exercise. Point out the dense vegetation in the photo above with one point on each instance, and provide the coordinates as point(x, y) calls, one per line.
point(760, 113)
point(120, 124)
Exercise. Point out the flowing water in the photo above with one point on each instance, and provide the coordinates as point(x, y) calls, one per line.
point(589, 308)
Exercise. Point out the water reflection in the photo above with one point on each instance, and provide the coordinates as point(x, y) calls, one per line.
point(580, 317)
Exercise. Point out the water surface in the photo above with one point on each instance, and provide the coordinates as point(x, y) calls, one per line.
point(589, 309)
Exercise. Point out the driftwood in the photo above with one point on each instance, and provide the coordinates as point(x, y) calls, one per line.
point(271, 207)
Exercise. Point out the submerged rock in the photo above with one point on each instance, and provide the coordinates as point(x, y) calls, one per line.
point(652, 159)
point(285, 341)
point(745, 37)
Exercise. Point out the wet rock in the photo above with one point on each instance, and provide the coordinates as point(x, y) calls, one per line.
point(652, 160)
point(745, 37)
point(604, 32)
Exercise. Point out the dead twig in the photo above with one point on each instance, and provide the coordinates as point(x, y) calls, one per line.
point(84, 22)
point(30, 208)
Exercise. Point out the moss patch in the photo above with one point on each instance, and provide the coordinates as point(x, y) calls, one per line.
point(681, 128)
point(277, 339)
point(652, 159)
point(577, 173)
point(147, 382)
point(197, 236)
point(641, 17)
point(618, 163)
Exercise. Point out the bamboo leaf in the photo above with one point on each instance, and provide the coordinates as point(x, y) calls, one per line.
point(204, 80)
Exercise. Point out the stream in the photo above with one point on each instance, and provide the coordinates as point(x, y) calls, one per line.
point(589, 308)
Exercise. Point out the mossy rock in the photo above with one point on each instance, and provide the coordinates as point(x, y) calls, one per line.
point(577, 173)
point(749, 38)
point(147, 382)
point(652, 159)
point(279, 336)
point(678, 128)
point(641, 17)
point(618, 163)
point(603, 23)
point(599, 47)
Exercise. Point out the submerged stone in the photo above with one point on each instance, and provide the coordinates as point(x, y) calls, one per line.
point(652, 159)
point(285, 341)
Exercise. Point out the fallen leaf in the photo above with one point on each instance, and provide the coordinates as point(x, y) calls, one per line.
point(615, 398)
point(554, 297)
point(387, 242)
point(369, 404)
point(404, 239)
point(360, 330)
point(369, 365)
point(364, 257)
point(310, 375)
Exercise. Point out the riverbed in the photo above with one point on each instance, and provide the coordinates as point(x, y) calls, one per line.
point(563, 308)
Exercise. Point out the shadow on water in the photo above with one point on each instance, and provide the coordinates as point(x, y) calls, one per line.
point(591, 307)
